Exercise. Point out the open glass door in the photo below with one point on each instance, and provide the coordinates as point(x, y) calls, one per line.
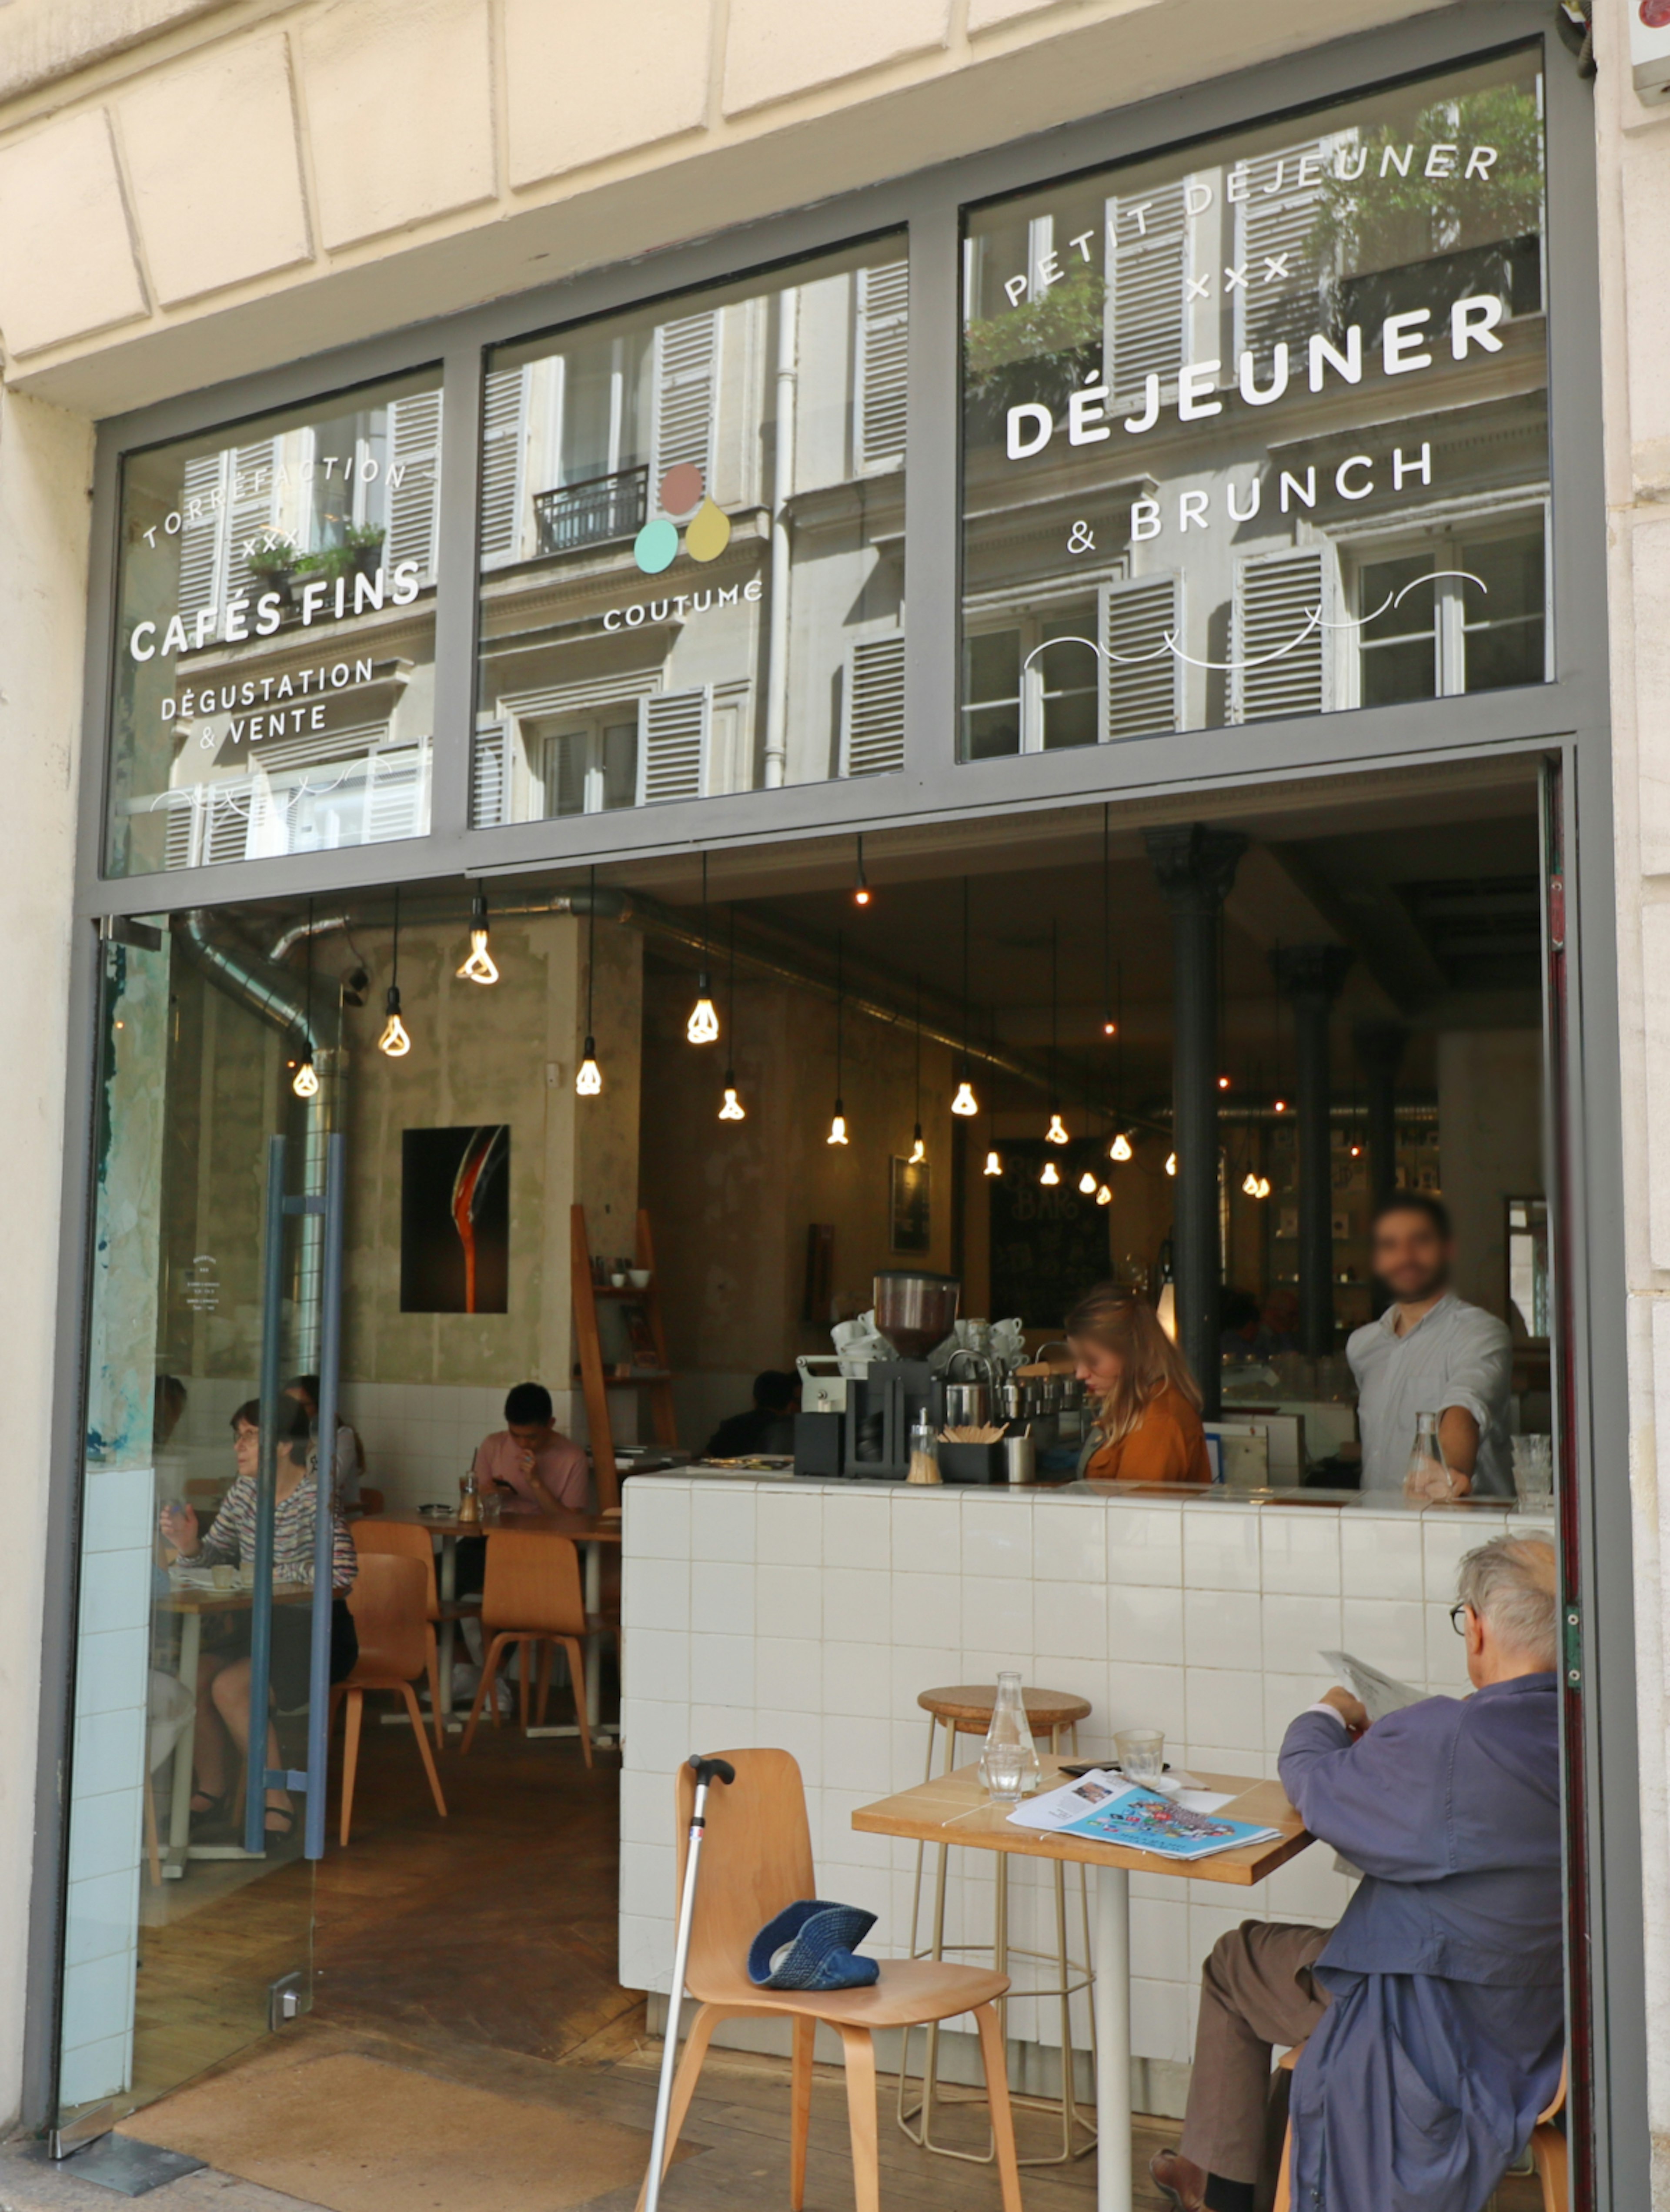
point(215, 1277)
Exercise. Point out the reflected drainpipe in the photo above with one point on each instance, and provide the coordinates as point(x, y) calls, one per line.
point(211, 945)
point(782, 491)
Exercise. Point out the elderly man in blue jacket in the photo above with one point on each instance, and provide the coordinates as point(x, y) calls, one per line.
point(1433, 2015)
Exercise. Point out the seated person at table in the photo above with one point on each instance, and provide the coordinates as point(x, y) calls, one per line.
point(351, 1452)
point(223, 1674)
point(1430, 1352)
point(1144, 1405)
point(768, 1426)
point(527, 1465)
point(1434, 2011)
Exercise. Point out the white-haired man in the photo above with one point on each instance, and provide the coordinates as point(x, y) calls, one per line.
point(1434, 2011)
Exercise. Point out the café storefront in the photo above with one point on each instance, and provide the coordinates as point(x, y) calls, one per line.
point(1223, 461)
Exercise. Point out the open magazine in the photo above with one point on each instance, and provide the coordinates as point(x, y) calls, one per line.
point(1174, 1824)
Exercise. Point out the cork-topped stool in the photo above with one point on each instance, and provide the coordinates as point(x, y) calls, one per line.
point(963, 1710)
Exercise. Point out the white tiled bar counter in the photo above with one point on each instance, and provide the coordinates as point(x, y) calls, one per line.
point(808, 1615)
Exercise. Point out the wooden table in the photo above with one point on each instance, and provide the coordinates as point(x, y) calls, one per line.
point(954, 1809)
point(191, 1604)
point(589, 1530)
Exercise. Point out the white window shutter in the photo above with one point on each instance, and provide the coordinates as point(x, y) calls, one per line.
point(672, 744)
point(882, 296)
point(201, 541)
point(1142, 680)
point(489, 776)
point(413, 491)
point(1147, 271)
point(1282, 655)
point(251, 505)
point(397, 800)
point(504, 438)
point(686, 360)
point(1273, 223)
point(873, 725)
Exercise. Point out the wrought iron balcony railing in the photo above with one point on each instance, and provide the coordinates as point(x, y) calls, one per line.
point(591, 512)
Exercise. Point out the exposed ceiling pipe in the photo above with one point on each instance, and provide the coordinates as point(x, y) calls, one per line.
point(269, 991)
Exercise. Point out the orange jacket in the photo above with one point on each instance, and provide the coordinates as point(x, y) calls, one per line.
point(1167, 1445)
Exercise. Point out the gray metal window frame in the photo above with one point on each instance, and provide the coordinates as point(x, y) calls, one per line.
point(1567, 719)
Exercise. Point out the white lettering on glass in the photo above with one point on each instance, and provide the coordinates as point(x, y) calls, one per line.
point(1472, 321)
point(1144, 519)
point(1353, 491)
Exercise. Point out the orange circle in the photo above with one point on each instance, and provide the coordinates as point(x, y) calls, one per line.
point(681, 488)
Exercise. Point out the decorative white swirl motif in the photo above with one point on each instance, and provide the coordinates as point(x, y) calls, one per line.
point(1313, 620)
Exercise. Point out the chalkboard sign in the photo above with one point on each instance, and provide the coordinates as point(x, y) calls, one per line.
point(1048, 1245)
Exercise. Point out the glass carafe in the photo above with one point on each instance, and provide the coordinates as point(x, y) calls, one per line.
point(1428, 1474)
point(1009, 1764)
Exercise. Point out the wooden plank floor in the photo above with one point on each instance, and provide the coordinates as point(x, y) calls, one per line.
point(481, 1950)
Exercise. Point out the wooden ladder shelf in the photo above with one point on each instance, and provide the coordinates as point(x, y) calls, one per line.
point(596, 1381)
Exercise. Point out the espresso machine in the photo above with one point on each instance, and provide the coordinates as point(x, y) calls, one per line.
point(858, 1425)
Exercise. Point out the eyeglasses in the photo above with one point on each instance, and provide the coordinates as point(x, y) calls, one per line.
point(1458, 1618)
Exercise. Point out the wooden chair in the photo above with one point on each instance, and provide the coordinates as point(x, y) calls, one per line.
point(1548, 2148)
point(387, 1604)
point(399, 1538)
point(532, 1597)
point(756, 1860)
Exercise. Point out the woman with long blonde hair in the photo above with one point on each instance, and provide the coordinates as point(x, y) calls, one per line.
point(1147, 1405)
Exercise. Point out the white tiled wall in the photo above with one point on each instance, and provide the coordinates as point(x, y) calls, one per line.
point(808, 1616)
point(418, 1437)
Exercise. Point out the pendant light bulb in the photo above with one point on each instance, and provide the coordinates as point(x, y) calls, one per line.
point(1057, 1131)
point(1281, 1105)
point(394, 1040)
point(993, 1164)
point(1171, 1163)
point(733, 1109)
point(1264, 1186)
point(1250, 1185)
point(306, 1084)
point(965, 1103)
point(480, 967)
point(1087, 1184)
point(861, 882)
point(588, 1078)
point(1222, 1082)
point(1110, 1028)
point(919, 1150)
point(702, 1027)
point(1104, 1196)
point(1051, 1176)
point(1121, 1148)
point(838, 1126)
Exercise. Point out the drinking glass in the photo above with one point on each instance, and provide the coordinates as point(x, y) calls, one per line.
point(1534, 1469)
point(1141, 1753)
point(1003, 1771)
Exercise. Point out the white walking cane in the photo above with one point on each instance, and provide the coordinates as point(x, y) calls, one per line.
point(706, 1771)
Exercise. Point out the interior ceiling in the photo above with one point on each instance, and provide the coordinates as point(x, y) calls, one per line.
point(1428, 875)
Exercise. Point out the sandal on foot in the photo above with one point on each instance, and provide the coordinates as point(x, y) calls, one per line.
point(283, 1813)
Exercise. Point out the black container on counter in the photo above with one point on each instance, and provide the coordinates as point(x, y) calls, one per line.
point(972, 1463)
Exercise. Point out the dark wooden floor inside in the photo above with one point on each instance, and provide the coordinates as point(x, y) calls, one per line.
point(482, 1950)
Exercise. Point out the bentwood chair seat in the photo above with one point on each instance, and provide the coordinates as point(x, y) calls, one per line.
point(533, 1597)
point(396, 1640)
point(756, 1861)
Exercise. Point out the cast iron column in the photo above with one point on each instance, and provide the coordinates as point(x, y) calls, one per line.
point(1380, 1049)
point(1195, 867)
point(1311, 975)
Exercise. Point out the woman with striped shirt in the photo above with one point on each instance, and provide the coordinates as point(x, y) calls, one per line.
point(223, 1674)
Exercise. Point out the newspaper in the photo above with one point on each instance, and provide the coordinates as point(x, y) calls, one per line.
point(1380, 1694)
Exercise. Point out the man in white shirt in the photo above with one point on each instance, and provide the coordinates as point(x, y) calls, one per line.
point(1430, 1352)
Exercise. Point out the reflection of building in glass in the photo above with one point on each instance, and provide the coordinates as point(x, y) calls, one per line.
point(693, 548)
point(275, 675)
point(1264, 434)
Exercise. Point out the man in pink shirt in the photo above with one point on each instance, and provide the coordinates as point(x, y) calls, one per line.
point(527, 1464)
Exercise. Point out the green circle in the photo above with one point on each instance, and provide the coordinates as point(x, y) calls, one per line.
point(656, 546)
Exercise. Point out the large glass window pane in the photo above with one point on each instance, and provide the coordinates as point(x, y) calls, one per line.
point(1208, 394)
point(274, 681)
point(693, 545)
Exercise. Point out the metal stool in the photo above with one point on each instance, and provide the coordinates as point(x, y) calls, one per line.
point(967, 1710)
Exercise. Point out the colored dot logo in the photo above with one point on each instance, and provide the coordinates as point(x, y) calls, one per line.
point(683, 498)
